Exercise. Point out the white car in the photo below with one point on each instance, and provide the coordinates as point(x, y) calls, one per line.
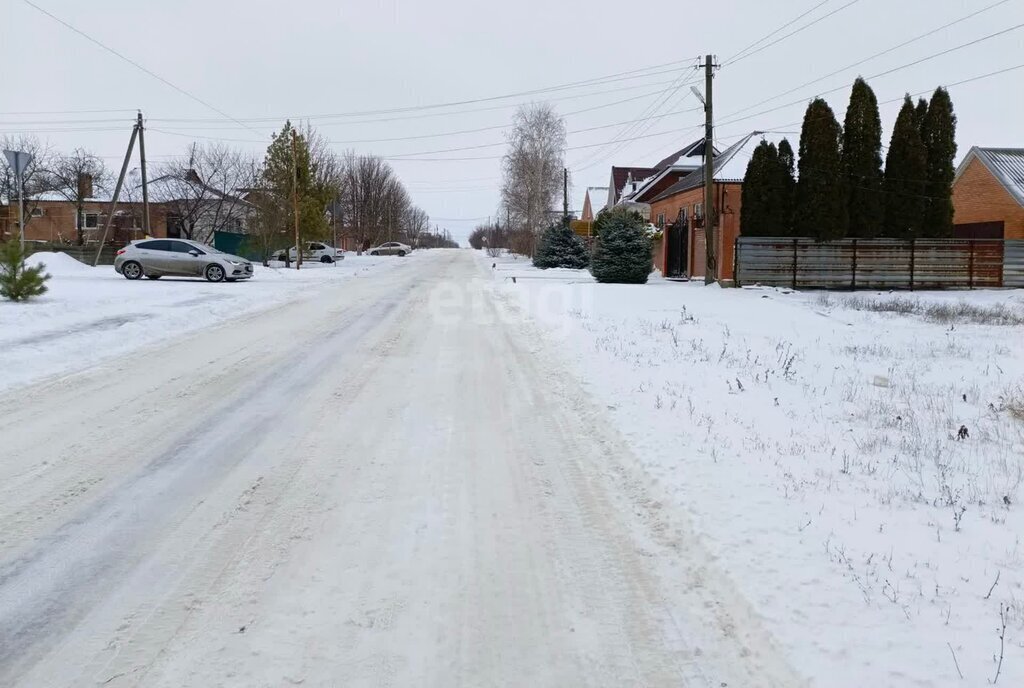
point(391, 248)
point(314, 251)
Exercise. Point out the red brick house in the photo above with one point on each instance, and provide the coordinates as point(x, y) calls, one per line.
point(988, 194)
point(679, 211)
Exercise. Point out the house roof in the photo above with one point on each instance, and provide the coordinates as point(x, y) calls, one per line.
point(728, 166)
point(621, 174)
point(1005, 164)
point(694, 150)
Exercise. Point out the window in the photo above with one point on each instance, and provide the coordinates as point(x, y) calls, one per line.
point(661, 220)
point(316, 247)
point(37, 212)
point(158, 245)
point(92, 220)
point(174, 226)
point(182, 247)
point(698, 209)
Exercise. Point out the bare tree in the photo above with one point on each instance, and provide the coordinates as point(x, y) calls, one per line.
point(76, 178)
point(373, 200)
point(532, 167)
point(415, 224)
point(34, 180)
point(202, 192)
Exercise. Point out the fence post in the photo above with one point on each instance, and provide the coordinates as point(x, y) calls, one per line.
point(912, 249)
point(853, 274)
point(736, 262)
point(970, 267)
point(795, 241)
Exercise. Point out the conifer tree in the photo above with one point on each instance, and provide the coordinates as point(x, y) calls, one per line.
point(622, 252)
point(759, 199)
point(862, 162)
point(920, 112)
point(787, 197)
point(938, 133)
point(19, 282)
point(904, 184)
point(560, 247)
point(820, 197)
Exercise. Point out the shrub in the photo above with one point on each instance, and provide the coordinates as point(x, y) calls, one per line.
point(560, 247)
point(18, 282)
point(622, 252)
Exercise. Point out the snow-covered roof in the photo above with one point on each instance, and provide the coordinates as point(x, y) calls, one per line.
point(1005, 164)
point(729, 166)
point(56, 196)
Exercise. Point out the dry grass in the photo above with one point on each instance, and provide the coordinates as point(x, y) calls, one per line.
point(943, 313)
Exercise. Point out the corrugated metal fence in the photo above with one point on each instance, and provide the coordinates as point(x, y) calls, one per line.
point(880, 263)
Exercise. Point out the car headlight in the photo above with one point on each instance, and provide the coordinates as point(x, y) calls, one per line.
point(235, 262)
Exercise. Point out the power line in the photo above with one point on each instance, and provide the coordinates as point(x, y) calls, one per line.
point(791, 33)
point(876, 55)
point(874, 76)
point(781, 28)
point(135, 64)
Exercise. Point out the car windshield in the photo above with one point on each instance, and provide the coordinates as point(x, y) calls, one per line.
point(575, 344)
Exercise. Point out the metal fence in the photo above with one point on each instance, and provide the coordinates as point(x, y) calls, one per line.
point(803, 263)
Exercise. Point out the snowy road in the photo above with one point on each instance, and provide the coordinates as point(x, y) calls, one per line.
point(389, 485)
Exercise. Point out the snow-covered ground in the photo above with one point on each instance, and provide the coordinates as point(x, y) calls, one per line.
point(92, 314)
point(814, 443)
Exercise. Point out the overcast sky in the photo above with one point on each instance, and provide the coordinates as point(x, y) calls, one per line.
point(311, 58)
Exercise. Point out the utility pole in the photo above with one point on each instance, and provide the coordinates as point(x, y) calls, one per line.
point(117, 193)
point(711, 262)
point(565, 195)
point(295, 198)
point(145, 184)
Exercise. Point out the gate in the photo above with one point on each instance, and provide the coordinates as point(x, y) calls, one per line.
point(675, 264)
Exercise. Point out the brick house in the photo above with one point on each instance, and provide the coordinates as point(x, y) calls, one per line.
point(54, 219)
point(679, 212)
point(664, 175)
point(988, 194)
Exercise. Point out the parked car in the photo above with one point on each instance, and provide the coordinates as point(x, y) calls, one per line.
point(315, 251)
point(391, 248)
point(156, 258)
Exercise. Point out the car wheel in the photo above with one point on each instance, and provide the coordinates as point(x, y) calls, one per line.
point(153, 276)
point(214, 273)
point(131, 270)
point(401, 253)
point(374, 253)
point(326, 259)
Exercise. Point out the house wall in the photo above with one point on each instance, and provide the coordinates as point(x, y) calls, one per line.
point(727, 199)
point(979, 197)
point(57, 222)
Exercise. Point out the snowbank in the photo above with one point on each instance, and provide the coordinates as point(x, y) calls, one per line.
point(819, 449)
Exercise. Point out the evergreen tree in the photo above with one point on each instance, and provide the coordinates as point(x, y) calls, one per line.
point(284, 173)
point(862, 162)
point(756, 213)
point(560, 247)
point(938, 133)
point(904, 184)
point(787, 184)
point(820, 197)
point(920, 112)
point(622, 252)
point(18, 282)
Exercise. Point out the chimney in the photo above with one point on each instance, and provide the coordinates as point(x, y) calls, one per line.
point(84, 185)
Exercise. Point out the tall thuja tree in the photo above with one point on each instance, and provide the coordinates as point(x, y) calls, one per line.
point(759, 205)
point(862, 162)
point(287, 170)
point(820, 193)
point(938, 132)
point(920, 112)
point(904, 184)
point(787, 184)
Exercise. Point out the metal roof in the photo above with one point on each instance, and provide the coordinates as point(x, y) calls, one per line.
point(1005, 164)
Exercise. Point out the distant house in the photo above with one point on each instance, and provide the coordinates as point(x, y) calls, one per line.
point(196, 209)
point(664, 174)
point(988, 194)
point(594, 200)
point(679, 210)
point(624, 181)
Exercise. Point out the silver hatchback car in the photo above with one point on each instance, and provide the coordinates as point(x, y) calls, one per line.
point(155, 258)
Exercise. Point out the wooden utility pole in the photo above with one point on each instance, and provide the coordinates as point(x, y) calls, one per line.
point(295, 198)
point(711, 261)
point(565, 195)
point(145, 183)
point(117, 193)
